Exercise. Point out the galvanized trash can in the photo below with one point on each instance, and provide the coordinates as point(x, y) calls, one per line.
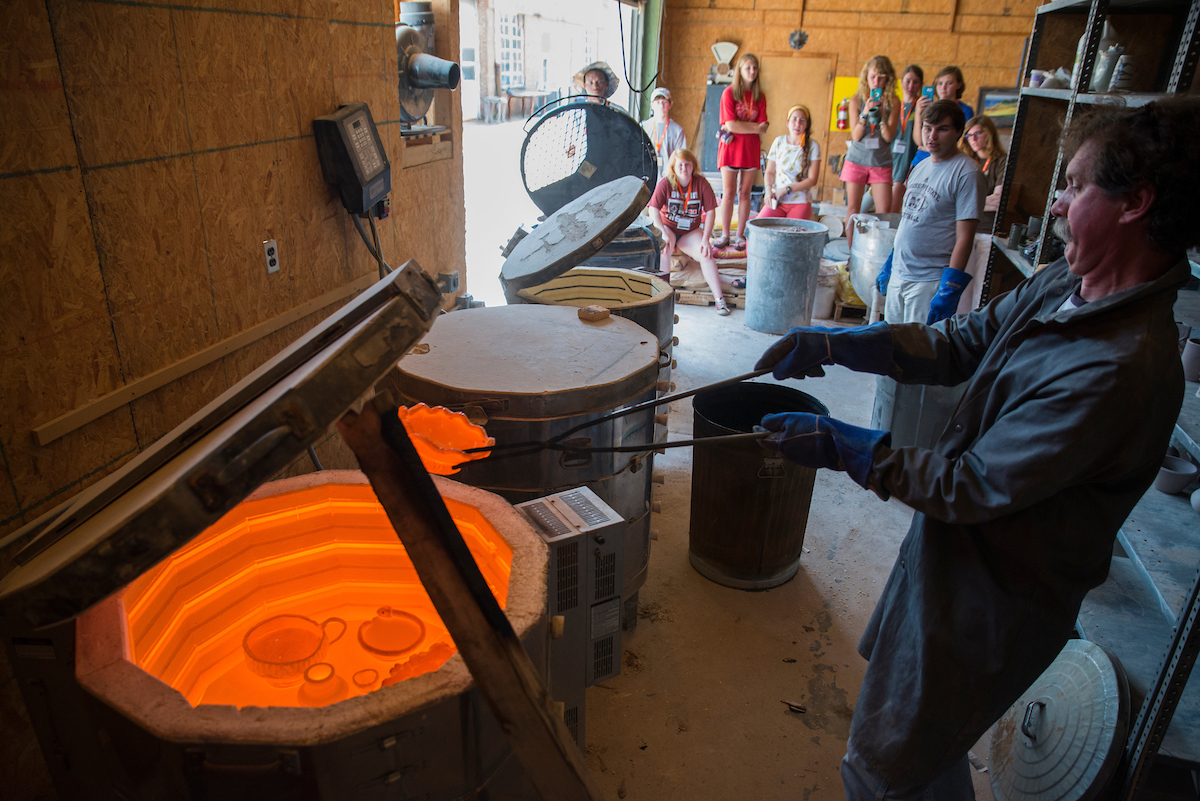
point(749, 511)
point(782, 258)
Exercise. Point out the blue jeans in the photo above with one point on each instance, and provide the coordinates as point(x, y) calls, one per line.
point(863, 784)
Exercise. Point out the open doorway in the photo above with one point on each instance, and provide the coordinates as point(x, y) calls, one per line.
point(525, 54)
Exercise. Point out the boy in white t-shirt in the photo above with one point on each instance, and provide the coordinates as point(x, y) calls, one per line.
point(666, 134)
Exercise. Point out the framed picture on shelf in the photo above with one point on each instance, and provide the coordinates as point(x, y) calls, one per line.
point(999, 103)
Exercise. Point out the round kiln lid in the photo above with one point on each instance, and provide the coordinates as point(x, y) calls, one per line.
point(1063, 738)
point(573, 233)
point(579, 146)
point(531, 362)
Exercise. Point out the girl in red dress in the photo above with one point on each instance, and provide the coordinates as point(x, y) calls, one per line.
point(743, 120)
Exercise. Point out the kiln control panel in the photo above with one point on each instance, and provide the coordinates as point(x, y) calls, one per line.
point(352, 156)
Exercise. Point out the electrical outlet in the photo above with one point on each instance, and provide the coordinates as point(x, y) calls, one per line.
point(271, 252)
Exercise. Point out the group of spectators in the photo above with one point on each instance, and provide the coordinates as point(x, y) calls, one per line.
point(891, 135)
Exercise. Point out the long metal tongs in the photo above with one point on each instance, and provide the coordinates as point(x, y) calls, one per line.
point(559, 442)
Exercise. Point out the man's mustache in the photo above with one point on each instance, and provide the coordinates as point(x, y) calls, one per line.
point(1062, 229)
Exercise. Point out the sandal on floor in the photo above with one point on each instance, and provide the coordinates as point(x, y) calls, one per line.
point(723, 308)
point(722, 242)
point(739, 243)
point(738, 283)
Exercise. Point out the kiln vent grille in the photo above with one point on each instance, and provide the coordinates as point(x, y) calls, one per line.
point(567, 566)
point(591, 514)
point(602, 657)
point(606, 576)
point(549, 522)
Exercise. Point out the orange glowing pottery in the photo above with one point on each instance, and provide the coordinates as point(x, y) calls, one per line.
point(282, 648)
point(321, 686)
point(440, 437)
point(391, 633)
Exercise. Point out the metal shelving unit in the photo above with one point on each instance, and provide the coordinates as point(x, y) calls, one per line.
point(1148, 610)
point(1163, 37)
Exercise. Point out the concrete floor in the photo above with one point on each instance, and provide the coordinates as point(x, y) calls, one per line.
point(696, 712)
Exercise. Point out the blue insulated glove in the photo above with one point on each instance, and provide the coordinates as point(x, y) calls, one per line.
point(812, 440)
point(885, 274)
point(802, 351)
point(945, 302)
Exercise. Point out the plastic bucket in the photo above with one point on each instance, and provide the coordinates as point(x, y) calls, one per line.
point(782, 260)
point(872, 244)
point(749, 511)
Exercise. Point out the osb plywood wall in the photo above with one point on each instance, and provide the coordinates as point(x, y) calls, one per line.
point(147, 151)
point(986, 39)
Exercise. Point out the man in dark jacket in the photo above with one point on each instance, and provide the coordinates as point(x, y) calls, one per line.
point(1075, 385)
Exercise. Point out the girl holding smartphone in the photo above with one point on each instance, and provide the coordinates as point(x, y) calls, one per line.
point(874, 117)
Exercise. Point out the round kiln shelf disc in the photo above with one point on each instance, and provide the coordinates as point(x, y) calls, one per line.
point(531, 362)
point(1078, 712)
point(572, 234)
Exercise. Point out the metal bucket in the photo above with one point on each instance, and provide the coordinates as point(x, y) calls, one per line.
point(782, 260)
point(531, 372)
point(872, 244)
point(749, 511)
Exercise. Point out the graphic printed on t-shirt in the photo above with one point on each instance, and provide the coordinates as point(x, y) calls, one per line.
point(919, 197)
point(683, 210)
point(746, 112)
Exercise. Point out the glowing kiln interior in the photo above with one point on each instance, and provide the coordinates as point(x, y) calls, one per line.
point(321, 552)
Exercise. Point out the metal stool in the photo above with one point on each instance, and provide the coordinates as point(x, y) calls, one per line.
point(493, 110)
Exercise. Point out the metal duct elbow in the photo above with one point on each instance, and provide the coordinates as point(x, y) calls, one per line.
point(430, 72)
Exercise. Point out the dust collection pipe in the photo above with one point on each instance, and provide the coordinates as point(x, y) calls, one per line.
point(430, 72)
point(783, 258)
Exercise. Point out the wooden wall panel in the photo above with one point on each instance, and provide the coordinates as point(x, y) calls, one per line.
point(194, 125)
point(360, 69)
point(298, 55)
point(122, 81)
point(37, 131)
point(314, 246)
point(56, 286)
point(242, 205)
point(223, 61)
point(152, 251)
point(158, 412)
point(57, 342)
point(34, 393)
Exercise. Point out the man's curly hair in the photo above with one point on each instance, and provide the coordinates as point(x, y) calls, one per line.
point(1158, 144)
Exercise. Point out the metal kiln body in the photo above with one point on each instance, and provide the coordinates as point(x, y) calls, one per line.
point(110, 730)
point(533, 372)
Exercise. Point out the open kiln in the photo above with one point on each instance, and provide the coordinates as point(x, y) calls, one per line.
point(131, 617)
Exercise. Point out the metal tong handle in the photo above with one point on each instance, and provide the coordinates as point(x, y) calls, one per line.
point(622, 413)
